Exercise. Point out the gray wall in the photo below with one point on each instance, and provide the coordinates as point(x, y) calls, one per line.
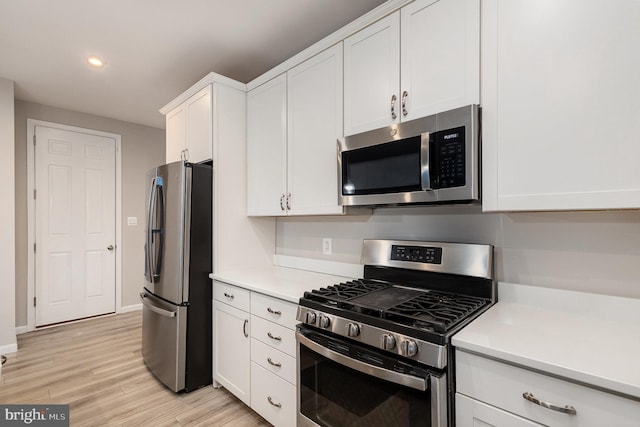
point(7, 212)
point(595, 252)
point(143, 147)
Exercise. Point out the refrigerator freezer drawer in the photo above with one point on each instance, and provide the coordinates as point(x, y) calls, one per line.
point(164, 328)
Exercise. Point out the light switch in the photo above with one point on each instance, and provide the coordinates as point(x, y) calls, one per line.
point(132, 220)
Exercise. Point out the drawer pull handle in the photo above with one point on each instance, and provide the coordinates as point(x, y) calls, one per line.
point(277, 405)
point(272, 363)
point(244, 328)
point(274, 312)
point(565, 410)
point(274, 338)
point(230, 296)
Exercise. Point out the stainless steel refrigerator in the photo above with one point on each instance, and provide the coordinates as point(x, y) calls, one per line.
point(176, 299)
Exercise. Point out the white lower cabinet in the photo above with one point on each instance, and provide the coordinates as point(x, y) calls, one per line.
point(491, 392)
point(255, 351)
point(231, 350)
point(272, 397)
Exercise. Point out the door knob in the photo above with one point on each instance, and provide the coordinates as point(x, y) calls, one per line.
point(110, 247)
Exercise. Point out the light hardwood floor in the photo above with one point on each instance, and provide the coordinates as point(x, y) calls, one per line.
point(96, 367)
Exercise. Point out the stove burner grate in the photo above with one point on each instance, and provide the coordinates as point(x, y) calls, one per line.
point(435, 310)
point(347, 291)
point(421, 309)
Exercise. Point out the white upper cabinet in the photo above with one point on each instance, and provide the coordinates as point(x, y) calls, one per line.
point(561, 102)
point(294, 121)
point(314, 126)
point(176, 136)
point(440, 61)
point(199, 126)
point(418, 61)
point(189, 129)
point(267, 148)
point(372, 76)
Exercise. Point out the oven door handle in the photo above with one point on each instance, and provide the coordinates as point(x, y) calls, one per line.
point(365, 368)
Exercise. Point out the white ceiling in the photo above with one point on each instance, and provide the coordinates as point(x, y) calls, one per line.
point(154, 49)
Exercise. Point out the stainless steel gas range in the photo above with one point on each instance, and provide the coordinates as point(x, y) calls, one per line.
point(376, 351)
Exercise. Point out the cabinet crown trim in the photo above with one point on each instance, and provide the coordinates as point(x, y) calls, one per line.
point(200, 84)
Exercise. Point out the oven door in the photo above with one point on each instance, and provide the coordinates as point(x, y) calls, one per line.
point(342, 383)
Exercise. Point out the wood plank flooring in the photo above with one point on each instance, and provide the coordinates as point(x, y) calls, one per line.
point(96, 367)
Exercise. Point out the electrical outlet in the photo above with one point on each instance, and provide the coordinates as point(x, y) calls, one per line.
point(326, 246)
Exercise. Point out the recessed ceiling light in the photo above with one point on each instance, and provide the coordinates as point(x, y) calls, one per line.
point(95, 62)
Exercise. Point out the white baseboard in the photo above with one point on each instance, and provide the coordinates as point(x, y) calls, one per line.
point(11, 348)
point(128, 308)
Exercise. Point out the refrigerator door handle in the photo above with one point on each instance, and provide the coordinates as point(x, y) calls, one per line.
point(149, 245)
point(155, 309)
point(158, 238)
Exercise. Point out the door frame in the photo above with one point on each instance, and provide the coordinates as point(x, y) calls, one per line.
point(31, 217)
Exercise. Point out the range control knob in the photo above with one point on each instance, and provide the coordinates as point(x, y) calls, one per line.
point(352, 330)
point(311, 318)
point(387, 342)
point(324, 322)
point(409, 348)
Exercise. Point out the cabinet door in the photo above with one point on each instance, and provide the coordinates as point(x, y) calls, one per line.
point(176, 134)
point(314, 125)
point(440, 56)
point(231, 349)
point(372, 76)
point(472, 413)
point(561, 99)
point(199, 126)
point(267, 147)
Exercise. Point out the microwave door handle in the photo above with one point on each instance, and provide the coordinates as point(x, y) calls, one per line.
point(384, 374)
point(425, 173)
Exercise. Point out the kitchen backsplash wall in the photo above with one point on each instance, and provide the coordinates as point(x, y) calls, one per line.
point(595, 252)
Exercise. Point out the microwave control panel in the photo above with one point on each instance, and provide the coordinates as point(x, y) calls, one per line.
point(447, 151)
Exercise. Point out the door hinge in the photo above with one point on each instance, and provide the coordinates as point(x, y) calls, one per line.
point(34, 139)
point(34, 193)
point(34, 247)
point(34, 301)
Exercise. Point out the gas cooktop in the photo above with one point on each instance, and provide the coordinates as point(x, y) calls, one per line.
point(413, 297)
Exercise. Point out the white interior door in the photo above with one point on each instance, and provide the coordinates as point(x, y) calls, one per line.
point(75, 235)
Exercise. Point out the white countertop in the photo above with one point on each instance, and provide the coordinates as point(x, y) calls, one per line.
point(285, 283)
point(589, 338)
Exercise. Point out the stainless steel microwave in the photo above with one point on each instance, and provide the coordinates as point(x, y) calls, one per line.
point(434, 159)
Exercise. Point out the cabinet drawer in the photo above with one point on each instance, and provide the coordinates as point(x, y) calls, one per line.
point(274, 309)
point(277, 336)
point(471, 413)
point(503, 386)
point(272, 397)
point(232, 295)
point(274, 360)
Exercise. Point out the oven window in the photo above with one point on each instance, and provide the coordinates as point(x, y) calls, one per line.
point(386, 168)
point(333, 395)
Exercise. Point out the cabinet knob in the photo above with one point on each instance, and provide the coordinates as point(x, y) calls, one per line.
point(404, 103)
point(566, 409)
point(274, 312)
point(393, 107)
point(273, 337)
point(276, 404)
